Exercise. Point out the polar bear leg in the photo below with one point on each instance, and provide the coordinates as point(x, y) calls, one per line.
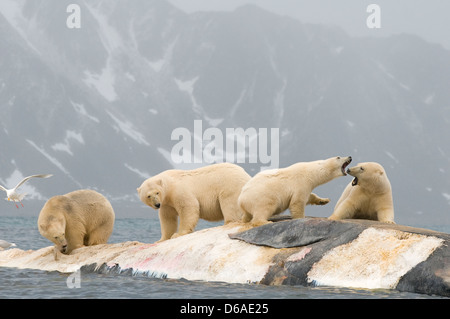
point(345, 210)
point(386, 215)
point(230, 209)
point(189, 217)
point(297, 209)
point(259, 222)
point(246, 217)
point(261, 215)
point(168, 219)
point(96, 237)
point(316, 200)
point(75, 241)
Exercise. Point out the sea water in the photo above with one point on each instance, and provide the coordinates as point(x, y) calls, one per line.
point(36, 284)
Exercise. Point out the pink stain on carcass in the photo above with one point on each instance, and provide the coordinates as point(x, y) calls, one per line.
point(142, 263)
point(158, 262)
point(300, 255)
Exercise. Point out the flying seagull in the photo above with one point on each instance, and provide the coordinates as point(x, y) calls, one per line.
point(12, 193)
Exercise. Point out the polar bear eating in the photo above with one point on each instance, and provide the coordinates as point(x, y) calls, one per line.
point(368, 196)
point(208, 192)
point(271, 192)
point(79, 218)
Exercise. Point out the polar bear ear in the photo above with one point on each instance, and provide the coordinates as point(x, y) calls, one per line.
point(159, 182)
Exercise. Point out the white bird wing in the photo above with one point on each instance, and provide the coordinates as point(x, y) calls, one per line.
point(21, 196)
point(3, 189)
point(27, 178)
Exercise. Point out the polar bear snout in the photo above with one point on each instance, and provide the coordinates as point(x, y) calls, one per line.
point(152, 198)
point(347, 162)
point(154, 201)
point(61, 243)
point(355, 170)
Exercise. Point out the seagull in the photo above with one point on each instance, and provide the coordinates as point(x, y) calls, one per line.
point(12, 193)
point(5, 245)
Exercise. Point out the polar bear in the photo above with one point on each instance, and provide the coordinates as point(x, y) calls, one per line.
point(209, 193)
point(80, 218)
point(271, 192)
point(368, 196)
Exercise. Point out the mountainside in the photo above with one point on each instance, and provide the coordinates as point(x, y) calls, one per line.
point(99, 106)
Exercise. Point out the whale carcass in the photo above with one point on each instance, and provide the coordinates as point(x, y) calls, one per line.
point(309, 252)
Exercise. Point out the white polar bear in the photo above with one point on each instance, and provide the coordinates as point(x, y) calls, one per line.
point(208, 192)
point(271, 192)
point(368, 196)
point(79, 218)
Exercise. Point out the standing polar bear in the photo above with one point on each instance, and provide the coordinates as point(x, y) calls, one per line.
point(271, 192)
point(368, 196)
point(209, 193)
point(80, 218)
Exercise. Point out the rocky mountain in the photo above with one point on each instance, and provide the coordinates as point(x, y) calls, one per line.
point(103, 106)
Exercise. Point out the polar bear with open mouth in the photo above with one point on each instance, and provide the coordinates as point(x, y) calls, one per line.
point(271, 192)
point(368, 196)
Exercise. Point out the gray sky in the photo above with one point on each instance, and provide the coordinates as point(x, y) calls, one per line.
point(429, 19)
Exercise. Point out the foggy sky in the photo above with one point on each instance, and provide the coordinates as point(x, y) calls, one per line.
point(428, 19)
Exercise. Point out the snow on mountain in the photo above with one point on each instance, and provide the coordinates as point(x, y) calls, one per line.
point(97, 106)
point(65, 146)
point(103, 82)
point(82, 110)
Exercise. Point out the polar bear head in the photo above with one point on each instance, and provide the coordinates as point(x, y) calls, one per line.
point(370, 175)
point(324, 171)
point(52, 225)
point(150, 192)
point(336, 165)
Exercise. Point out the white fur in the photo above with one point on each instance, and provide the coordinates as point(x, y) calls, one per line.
point(209, 193)
point(370, 198)
point(271, 192)
point(80, 218)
